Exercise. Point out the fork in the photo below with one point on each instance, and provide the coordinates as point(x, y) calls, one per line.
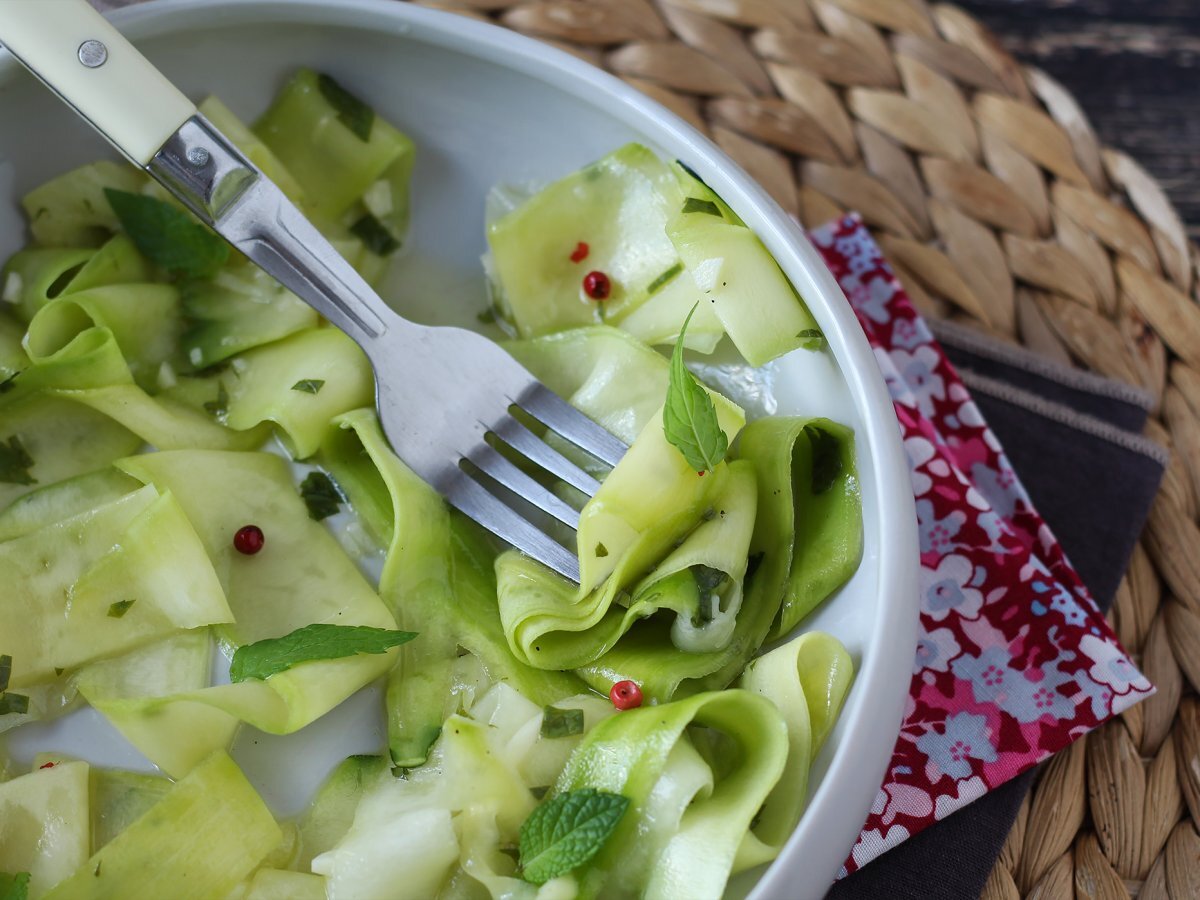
point(440, 391)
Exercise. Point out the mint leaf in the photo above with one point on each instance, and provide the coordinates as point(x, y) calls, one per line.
point(169, 237)
point(689, 417)
point(320, 495)
point(14, 887)
point(557, 723)
point(15, 462)
point(565, 832)
point(664, 279)
point(351, 111)
point(117, 610)
point(5, 672)
point(262, 659)
point(13, 703)
point(374, 235)
point(309, 385)
point(696, 205)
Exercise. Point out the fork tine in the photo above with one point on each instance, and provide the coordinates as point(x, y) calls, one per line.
point(555, 412)
point(471, 498)
point(503, 471)
point(534, 448)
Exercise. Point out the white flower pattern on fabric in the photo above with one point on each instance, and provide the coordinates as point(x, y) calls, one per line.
point(965, 738)
point(918, 369)
point(947, 589)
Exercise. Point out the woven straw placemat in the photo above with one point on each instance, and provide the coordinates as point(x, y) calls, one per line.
point(988, 190)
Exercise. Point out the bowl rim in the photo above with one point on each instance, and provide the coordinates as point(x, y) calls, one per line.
point(872, 716)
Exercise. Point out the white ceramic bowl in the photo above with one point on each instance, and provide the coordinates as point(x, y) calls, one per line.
point(486, 106)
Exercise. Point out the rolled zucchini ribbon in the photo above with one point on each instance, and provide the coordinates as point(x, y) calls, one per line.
point(691, 803)
point(437, 579)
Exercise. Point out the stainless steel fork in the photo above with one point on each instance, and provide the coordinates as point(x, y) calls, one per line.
point(440, 391)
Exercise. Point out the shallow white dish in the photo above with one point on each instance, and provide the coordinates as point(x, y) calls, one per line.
point(487, 106)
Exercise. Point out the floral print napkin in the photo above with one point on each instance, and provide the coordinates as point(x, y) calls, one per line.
point(1014, 661)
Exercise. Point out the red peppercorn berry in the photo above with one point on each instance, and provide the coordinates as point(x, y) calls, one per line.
point(248, 540)
point(596, 285)
point(48, 765)
point(626, 695)
point(579, 254)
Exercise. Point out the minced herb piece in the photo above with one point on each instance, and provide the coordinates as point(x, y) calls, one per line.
point(13, 703)
point(708, 579)
point(219, 406)
point(601, 551)
point(320, 495)
point(811, 339)
point(664, 279)
point(374, 235)
point(567, 831)
point(696, 205)
point(262, 659)
point(557, 723)
point(14, 887)
point(118, 609)
point(689, 417)
point(826, 458)
point(351, 112)
point(309, 385)
point(168, 236)
point(5, 672)
point(15, 462)
point(540, 791)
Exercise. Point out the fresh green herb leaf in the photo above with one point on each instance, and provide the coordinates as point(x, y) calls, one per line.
point(696, 205)
point(9, 383)
point(5, 672)
point(58, 671)
point(351, 111)
point(664, 279)
point(320, 495)
point(374, 235)
point(15, 462)
point(488, 316)
point(826, 458)
point(118, 609)
point(568, 830)
point(811, 338)
point(169, 237)
point(309, 385)
point(219, 406)
point(601, 551)
point(13, 703)
point(262, 659)
point(557, 723)
point(689, 417)
point(14, 887)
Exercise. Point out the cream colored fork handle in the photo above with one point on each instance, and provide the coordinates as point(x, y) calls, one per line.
point(108, 82)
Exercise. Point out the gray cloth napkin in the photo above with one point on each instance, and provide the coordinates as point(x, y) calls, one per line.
point(1075, 441)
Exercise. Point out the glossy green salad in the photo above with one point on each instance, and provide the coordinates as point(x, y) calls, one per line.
point(175, 427)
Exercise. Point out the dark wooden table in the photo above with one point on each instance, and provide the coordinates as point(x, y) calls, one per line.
point(1134, 66)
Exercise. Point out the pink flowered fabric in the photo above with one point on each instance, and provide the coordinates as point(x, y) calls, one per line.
point(1014, 661)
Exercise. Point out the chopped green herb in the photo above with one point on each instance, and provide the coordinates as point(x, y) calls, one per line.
point(826, 458)
point(58, 671)
point(664, 279)
point(708, 579)
point(15, 462)
point(320, 495)
point(118, 609)
point(566, 831)
point(696, 205)
point(13, 703)
point(219, 406)
point(374, 235)
point(309, 385)
point(601, 551)
point(557, 723)
point(540, 791)
point(9, 383)
point(14, 887)
point(689, 417)
point(262, 659)
point(488, 316)
point(5, 672)
point(351, 112)
point(811, 339)
point(168, 236)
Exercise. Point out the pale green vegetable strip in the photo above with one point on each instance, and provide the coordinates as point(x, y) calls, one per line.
point(72, 211)
point(331, 812)
point(42, 274)
point(46, 701)
point(63, 438)
point(206, 835)
point(629, 754)
point(13, 357)
point(807, 679)
point(44, 825)
point(118, 799)
point(63, 499)
point(227, 122)
point(280, 884)
point(139, 548)
point(437, 579)
point(264, 389)
point(68, 352)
